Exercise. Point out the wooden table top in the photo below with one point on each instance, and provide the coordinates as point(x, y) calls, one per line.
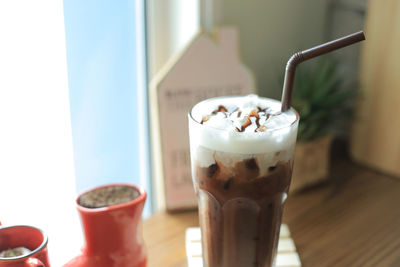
point(353, 220)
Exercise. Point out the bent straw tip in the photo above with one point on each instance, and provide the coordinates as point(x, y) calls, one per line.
point(360, 35)
point(311, 53)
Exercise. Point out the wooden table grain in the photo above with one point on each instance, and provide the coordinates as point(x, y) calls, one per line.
point(352, 220)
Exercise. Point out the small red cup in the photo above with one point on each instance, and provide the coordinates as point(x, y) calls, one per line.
point(24, 236)
point(113, 234)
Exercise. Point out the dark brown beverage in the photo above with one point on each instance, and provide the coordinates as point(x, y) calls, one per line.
point(241, 181)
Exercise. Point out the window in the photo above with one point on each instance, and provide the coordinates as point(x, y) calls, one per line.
point(104, 107)
point(37, 184)
point(73, 103)
point(106, 74)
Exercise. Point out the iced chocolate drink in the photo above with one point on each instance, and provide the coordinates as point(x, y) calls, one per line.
point(242, 156)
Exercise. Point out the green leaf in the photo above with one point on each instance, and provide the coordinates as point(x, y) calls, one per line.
point(323, 72)
point(326, 90)
point(302, 106)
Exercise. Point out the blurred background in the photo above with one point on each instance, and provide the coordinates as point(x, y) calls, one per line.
point(270, 31)
point(75, 100)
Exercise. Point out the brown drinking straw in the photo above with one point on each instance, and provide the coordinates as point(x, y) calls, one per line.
point(316, 51)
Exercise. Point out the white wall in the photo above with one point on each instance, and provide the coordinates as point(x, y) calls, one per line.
point(171, 24)
point(347, 16)
point(271, 31)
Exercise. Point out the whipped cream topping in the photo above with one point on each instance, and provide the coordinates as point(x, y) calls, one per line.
point(242, 124)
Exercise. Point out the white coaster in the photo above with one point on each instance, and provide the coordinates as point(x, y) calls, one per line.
point(287, 255)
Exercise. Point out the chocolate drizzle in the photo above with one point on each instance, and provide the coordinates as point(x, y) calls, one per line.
point(253, 113)
point(204, 119)
point(245, 125)
point(248, 122)
point(221, 108)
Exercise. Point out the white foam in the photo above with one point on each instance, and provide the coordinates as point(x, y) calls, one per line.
point(219, 132)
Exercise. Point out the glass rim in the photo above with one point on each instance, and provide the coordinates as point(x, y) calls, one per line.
point(36, 250)
point(142, 197)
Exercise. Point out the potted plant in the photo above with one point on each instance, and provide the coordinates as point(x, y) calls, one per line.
point(324, 105)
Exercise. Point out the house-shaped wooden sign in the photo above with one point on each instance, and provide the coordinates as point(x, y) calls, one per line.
point(208, 67)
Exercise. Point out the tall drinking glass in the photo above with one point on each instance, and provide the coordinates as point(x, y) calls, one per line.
point(242, 152)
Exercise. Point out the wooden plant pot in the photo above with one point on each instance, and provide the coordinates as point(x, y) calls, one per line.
point(311, 163)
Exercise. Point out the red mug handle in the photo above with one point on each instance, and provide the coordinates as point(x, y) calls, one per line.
point(33, 262)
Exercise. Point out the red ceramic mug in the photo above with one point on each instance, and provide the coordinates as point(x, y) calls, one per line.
point(26, 236)
point(113, 234)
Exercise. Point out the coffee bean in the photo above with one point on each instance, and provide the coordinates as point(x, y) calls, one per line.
point(228, 183)
point(272, 168)
point(212, 169)
point(251, 164)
